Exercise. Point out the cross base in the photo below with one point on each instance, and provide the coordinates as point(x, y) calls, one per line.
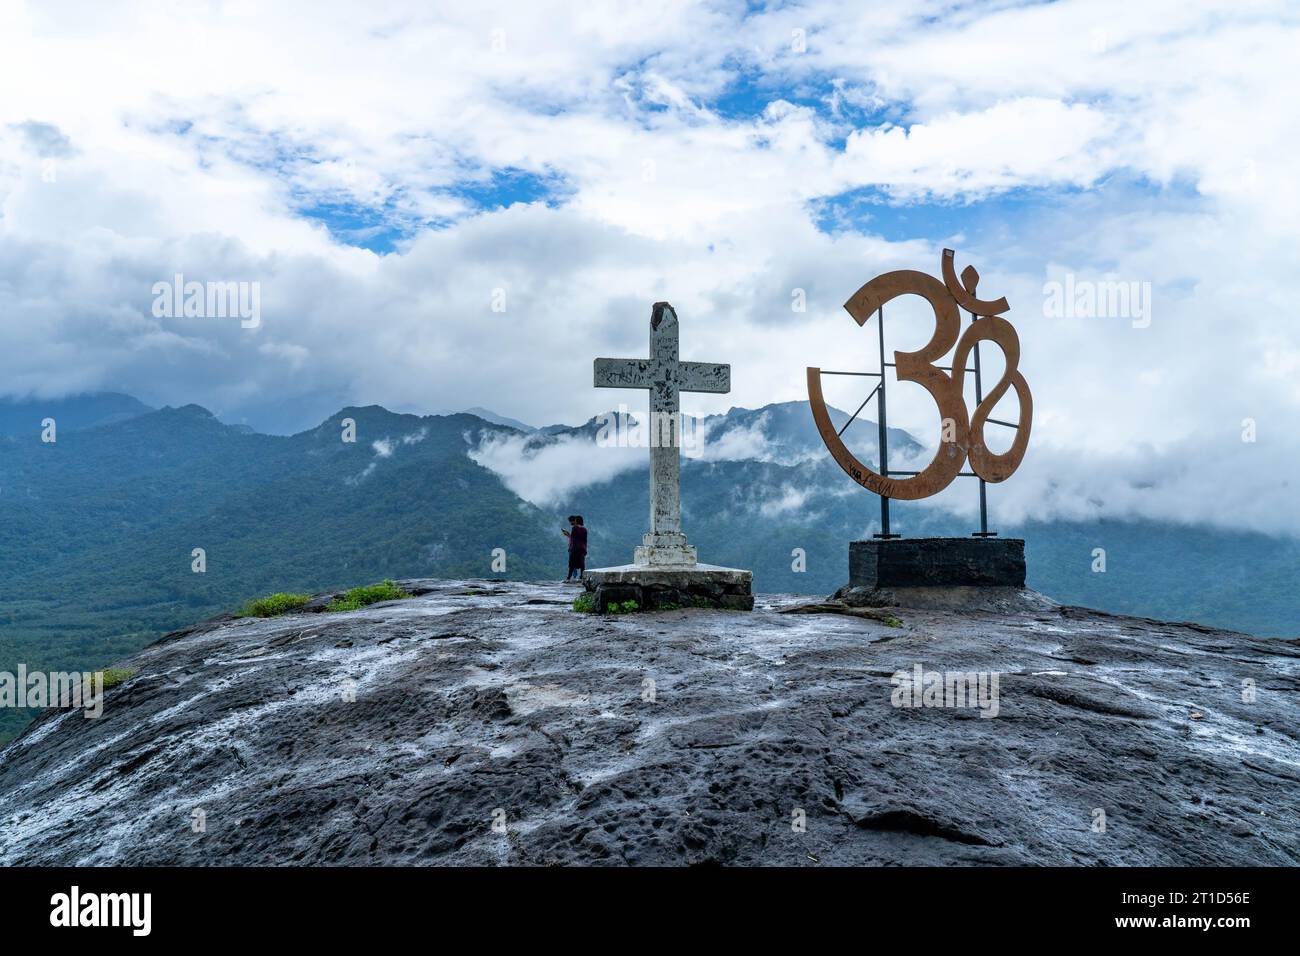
point(664, 588)
point(658, 550)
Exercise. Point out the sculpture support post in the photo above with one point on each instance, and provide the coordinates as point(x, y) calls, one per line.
point(984, 531)
point(883, 431)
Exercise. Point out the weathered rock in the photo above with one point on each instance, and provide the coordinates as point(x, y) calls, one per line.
point(958, 600)
point(675, 737)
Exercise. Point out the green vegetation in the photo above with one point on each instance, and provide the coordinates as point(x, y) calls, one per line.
point(115, 675)
point(96, 562)
point(274, 605)
point(358, 598)
point(891, 621)
point(586, 604)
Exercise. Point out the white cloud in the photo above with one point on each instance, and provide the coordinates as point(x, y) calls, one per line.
point(1224, 482)
point(788, 499)
point(1157, 141)
point(1030, 141)
point(738, 444)
point(545, 473)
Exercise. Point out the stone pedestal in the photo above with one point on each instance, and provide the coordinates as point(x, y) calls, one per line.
point(937, 562)
point(656, 586)
point(664, 550)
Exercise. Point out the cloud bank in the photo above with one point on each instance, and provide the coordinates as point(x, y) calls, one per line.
point(465, 207)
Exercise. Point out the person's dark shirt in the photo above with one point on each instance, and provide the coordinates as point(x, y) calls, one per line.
point(577, 539)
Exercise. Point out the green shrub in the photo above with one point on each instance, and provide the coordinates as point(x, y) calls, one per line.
point(274, 605)
point(115, 675)
point(891, 622)
point(358, 598)
point(584, 604)
point(626, 607)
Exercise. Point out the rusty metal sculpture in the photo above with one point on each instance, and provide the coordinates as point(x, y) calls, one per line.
point(963, 435)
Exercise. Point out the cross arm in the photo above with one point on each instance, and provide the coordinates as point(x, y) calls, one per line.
point(622, 373)
point(704, 377)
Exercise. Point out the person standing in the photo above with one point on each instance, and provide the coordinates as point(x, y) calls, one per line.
point(577, 535)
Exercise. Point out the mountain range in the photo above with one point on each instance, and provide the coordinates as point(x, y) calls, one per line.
point(99, 529)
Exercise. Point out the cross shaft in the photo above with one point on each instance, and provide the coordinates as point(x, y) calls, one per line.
point(666, 377)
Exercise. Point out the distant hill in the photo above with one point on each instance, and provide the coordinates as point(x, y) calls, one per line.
point(24, 416)
point(97, 529)
point(790, 435)
point(490, 416)
point(783, 431)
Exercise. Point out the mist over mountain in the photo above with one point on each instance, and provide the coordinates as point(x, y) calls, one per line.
point(18, 415)
point(490, 416)
point(98, 530)
point(547, 464)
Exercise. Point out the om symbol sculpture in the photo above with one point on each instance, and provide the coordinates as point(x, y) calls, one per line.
point(963, 435)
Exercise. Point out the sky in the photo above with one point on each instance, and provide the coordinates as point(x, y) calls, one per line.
point(454, 205)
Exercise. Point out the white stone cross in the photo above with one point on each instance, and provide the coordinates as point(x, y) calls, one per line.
point(666, 377)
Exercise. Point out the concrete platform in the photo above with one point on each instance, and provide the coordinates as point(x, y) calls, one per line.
point(653, 586)
point(937, 562)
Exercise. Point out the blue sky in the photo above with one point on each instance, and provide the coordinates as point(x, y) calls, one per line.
point(382, 228)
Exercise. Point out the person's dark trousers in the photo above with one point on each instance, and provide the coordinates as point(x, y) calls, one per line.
point(576, 566)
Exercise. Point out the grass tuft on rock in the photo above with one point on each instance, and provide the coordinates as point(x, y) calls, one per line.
point(586, 604)
point(273, 605)
point(115, 675)
point(358, 598)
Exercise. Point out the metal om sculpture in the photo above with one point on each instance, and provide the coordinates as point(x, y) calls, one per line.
point(963, 436)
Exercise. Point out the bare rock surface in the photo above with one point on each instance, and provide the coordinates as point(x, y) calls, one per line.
point(674, 737)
